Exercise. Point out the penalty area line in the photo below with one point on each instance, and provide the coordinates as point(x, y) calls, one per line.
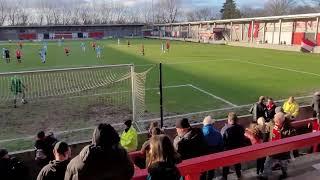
point(214, 96)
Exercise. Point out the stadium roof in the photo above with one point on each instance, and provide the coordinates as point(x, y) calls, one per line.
point(55, 26)
point(269, 18)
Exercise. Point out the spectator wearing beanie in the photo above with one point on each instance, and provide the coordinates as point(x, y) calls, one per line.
point(233, 137)
point(104, 159)
point(129, 137)
point(291, 108)
point(189, 142)
point(56, 169)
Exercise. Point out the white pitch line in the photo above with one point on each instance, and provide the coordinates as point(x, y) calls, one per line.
point(275, 67)
point(88, 128)
point(214, 96)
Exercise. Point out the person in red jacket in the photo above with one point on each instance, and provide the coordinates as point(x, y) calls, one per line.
point(18, 55)
point(271, 109)
point(282, 129)
point(257, 133)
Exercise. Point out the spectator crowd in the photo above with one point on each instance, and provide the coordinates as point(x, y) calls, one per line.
point(106, 158)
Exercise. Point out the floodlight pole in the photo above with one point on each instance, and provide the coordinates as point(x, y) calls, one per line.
point(161, 95)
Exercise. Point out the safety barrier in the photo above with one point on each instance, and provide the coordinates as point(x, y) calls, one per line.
point(192, 168)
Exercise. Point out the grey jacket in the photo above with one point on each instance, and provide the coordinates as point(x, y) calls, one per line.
point(97, 163)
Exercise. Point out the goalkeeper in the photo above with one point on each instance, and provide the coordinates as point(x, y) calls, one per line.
point(17, 87)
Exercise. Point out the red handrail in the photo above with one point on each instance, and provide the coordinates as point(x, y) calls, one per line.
point(192, 168)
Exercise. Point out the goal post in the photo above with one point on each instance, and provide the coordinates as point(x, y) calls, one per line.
point(70, 98)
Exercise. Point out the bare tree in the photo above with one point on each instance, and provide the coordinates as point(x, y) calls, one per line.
point(84, 15)
point(304, 9)
point(201, 14)
point(279, 7)
point(3, 11)
point(167, 11)
point(13, 13)
point(249, 12)
point(22, 17)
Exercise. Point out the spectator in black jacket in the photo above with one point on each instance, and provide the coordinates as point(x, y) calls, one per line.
point(233, 137)
point(259, 109)
point(44, 148)
point(11, 168)
point(56, 169)
point(189, 142)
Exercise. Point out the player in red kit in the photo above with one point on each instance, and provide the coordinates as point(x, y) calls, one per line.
point(94, 44)
point(66, 51)
point(168, 45)
point(18, 55)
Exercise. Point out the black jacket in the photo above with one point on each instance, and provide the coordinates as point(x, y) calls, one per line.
point(191, 145)
point(13, 169)
point(233, 136)
point(259, 110)
point(163, 171)
point(55, 170)
point(97, 163)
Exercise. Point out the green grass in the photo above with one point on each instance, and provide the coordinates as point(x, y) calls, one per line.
point(238, 75)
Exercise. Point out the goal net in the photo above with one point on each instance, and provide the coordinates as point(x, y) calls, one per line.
point(70, 100)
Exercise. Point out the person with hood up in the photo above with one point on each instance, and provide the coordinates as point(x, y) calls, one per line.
point(104, 159)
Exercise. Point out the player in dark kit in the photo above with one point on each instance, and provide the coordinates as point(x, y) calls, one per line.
point(7, 55)
point(128, 43)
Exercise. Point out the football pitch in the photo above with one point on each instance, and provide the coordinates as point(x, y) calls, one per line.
point(197, 78)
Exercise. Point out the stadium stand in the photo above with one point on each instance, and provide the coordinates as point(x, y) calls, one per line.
point(213, 161)
point(192, 168)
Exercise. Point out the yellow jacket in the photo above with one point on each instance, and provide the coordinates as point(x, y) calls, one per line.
point(129, 140)
point(291, 108)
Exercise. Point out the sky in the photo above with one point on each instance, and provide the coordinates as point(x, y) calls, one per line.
point(204, 3)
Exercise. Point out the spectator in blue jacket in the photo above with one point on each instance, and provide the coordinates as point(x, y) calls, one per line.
point(214, 140)
point(212, 136)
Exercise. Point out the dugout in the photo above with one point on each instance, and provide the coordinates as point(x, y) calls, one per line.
point(69, 31)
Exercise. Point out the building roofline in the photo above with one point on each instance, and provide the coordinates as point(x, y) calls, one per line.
point(56, 26)
point(267, 18)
